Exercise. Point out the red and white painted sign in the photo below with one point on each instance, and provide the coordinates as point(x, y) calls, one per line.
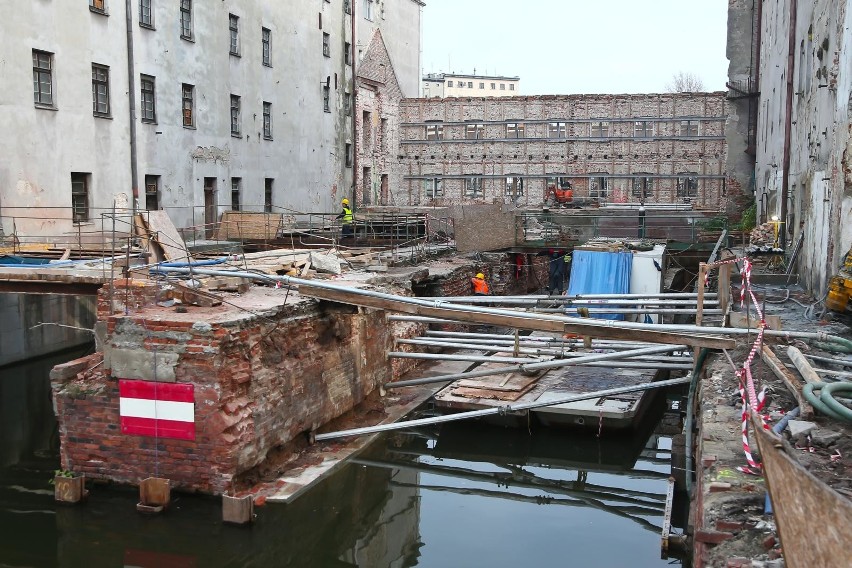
point(164, 410)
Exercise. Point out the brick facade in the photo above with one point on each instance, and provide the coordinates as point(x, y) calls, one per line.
point(613, 149)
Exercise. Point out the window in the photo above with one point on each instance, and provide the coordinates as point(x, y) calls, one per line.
point(643, 186)
point(347, 6)
point(146, 14)
point(643, 129)
point(473, 187)
point(188, 96)
point(482, 85)
point(687, 185)
point(598, 186)
point(186, 19)
point(600, 129)
point(265, 40)
point(502, 86)
point(149, 104)
point(326, 44)
point(511, 86)
point(434, 132)
point(689, 128)
point(348, 156)
point(235, 193)
point(515, 130)
point(514, 186)
point(326, 98)
point(235, 116)
point(152, 193)
point(556, 130)
point(470, 84)
point(347, 103)
point(80, 197)
point(267, 195)
point(366, 129)
point(449, 83)
point(267, 120)
point(98, 6)
point(234, 28)
point(493, 86)
point(42, 78)
point(474, 131)
point(100, 90)
point(368, 10)
point(347, 53)
point(433, 187)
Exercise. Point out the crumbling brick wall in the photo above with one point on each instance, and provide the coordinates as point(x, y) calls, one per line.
point(259, 381)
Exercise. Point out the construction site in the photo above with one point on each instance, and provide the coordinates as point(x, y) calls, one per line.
point(486, 321)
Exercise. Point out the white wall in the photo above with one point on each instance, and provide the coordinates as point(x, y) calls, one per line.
point(40, 148)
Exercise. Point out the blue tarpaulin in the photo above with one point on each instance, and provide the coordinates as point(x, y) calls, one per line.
point(595, 272)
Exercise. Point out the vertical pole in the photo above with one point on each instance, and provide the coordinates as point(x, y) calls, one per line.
point(131, 100)
point(702, 283)
point(724, 290)
point(788, 124)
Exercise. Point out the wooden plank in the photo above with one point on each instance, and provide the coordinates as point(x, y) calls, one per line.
point(513, 382)
point(802, 365)
point(813, 520)
point(793, 384)
point(521, 321)
point(489, 394)
point(163, 231)
point(702, 284)
point(248, 225)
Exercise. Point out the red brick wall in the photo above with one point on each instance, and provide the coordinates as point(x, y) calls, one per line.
point(257, 386)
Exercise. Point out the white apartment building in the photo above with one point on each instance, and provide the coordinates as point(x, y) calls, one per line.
point(440, 85)
point(237, 105)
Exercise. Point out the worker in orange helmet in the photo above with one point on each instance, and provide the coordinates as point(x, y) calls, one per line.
point(480, 287)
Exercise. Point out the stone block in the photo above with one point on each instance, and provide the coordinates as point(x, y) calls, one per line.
point(800, 427)
point(143, 365)
point(712, 537)
point(325, 263)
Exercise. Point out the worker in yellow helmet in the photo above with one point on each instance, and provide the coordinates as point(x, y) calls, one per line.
point(346, 218)
point(480, 286)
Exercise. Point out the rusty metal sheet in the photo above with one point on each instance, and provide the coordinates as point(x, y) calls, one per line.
point(813, 520)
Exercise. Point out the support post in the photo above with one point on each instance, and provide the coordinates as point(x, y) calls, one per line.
point(702, 284)
point(154, 495)
point(238, 510)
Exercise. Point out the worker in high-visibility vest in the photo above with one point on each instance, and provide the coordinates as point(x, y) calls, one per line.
point(480, 286)
point(346, 219)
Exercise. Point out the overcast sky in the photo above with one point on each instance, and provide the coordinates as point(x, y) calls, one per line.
point(579, 46)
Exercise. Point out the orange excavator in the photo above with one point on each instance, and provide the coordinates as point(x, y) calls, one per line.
point(561, 193)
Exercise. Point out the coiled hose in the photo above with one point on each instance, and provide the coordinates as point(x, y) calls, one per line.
point(825, 401)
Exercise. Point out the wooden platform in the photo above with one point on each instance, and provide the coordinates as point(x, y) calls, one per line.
point(615, 412)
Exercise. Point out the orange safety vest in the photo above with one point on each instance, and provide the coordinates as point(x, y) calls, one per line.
point(479, 286)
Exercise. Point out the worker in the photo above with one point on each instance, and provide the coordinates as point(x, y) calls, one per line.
point(556, 272)
point(480, 287)
point(347, 218)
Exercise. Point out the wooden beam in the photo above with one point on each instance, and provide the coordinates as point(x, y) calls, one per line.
point(702, 285)
point(802, 365)
point(806, 411)
point(521, 321)
point(813, 519)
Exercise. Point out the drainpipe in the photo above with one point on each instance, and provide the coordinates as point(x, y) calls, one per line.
point(788, 123)
point(131, 99)
point(355, 144)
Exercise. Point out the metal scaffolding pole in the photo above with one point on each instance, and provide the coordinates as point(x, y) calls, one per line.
point(499, 410)
point(596, 358)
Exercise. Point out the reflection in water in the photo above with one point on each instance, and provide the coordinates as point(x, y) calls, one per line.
point(456, 495)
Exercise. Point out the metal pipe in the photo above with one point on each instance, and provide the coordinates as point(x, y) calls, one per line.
point(628, 311)
point(510, 346)
point(844, 362)
point(675, 295)
point(530, 338)
point(471, 358)
point(788, 124)
point(131, 101)
point(603, 325)
point(498, 410)
point(598, 357)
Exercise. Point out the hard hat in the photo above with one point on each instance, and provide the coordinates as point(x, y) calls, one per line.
point(345, 201)
point(480, 275)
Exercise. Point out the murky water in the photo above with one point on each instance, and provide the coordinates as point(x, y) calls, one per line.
point(457, 495)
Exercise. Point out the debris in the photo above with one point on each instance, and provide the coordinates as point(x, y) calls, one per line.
point(325, 263)
point(800, 427)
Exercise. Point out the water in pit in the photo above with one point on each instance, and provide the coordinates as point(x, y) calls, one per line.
point(453, 495)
